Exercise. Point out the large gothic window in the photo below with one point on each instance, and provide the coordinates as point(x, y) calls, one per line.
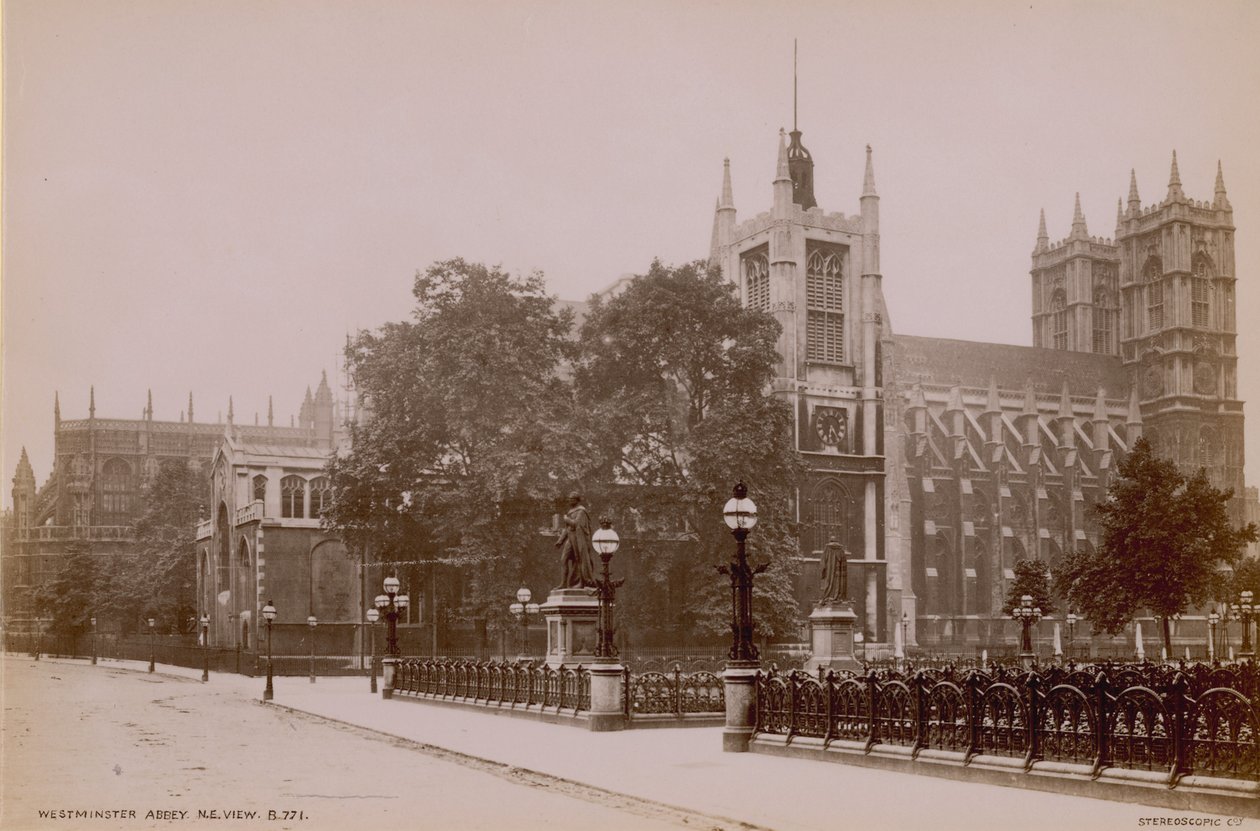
point(1058, 318)
point(260, 488)
point(321, 495)
point(824, 301)
point(829, 511)
point(1152, 273)
point(1200, 294)
point(757, 280)
point(115, 484)
point(292, 497)
point(1102, 323)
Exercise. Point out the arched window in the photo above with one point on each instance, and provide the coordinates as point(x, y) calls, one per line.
point(1200, 294)
point(321, 496)
point(757, 280)
point(1058, 318)
point(1152, 273)
point(260, 488)
point(292, 497)
point(1102, 322)
point(115, 484)
point(824, 301)
point(1207, 447)
point(829, 508)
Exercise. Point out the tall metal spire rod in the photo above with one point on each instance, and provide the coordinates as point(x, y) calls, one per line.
point(793, 83)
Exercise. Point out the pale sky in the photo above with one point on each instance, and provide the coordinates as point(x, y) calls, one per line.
point(207, 196)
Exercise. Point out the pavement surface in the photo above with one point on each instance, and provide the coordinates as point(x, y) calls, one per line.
point(347, 759)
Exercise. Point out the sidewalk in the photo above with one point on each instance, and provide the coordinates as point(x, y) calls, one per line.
point(686, 768)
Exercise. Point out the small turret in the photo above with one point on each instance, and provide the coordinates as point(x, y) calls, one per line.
point(270, 413)
point(1133, 422)
point(230, 411)
point(1102, 424)
point(1032, 423)
point(56, 408)
point(190, 407)
point(92, 401)
point(918, 408)
point(1043, 238)
point(1067, 421)
point(1135, 204)
point(148, 407)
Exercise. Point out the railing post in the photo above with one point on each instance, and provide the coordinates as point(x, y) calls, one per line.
point(678, 711)
point(1181, 742)
point(626, 691)
point(872, 696)
point(829, 688)
point(793, 684)
point(1032, 686)
point(920, 712)
point(1102, 726)
point(975, 717)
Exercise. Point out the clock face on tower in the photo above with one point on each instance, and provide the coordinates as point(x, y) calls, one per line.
point(831, 426)
point(1153, 381)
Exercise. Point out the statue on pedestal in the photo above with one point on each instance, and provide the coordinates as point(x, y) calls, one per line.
point(577, 555)
point(835, 573)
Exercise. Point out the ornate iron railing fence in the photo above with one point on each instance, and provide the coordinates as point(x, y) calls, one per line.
point(675, 693)
point(512, 684)
point(1180, 721)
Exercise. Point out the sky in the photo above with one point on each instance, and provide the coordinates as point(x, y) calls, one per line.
point(207, 196)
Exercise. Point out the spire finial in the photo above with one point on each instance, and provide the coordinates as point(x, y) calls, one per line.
point(56, 406)
point(92, 401)
point(728, 194)
point(190, 407)
point(1119, 214)
point(1174, 181)
point(1221, 201)
point(1135, 204)
point(868, 181)
point(270, 413)
point(1079, 228)
point(230, 409)
point(994, 402)
point(1043, 238)
point(149, 405)
point(781, 171)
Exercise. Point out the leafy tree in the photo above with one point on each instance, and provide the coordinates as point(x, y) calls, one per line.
point(70, 598)
point(470, 432)
point(1031, 578)
point(1165, 536)
point(158, 577)
point(672, 376)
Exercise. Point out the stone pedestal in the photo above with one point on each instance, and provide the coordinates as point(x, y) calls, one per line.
point(572, 619)
point(739, 682)
point(831, 637)
point(388, 668)
point(606, 708)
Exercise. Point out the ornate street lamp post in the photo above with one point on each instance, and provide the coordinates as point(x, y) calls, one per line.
point(1027, 615)
point(740, 515)
point(312, 622)
point(372, 617)
point(1213, 620)
point(523, 609)
point(269, 614)
point(605, 541)
point(93, 641)
point(205, 648)
point(39, 636)
point(152, 643)
point(391, 604)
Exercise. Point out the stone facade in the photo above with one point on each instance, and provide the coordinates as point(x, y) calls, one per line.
point(940, 463)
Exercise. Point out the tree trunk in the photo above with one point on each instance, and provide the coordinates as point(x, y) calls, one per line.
point(1168, 653)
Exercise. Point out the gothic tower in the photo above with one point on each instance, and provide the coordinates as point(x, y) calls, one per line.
point(1075, 300)
point(1179, 328)
point(818, 274)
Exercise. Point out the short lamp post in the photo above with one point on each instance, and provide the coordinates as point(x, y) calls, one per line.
point(93, 641)
point(1071, 622)
point(372, 617)
point(205, 648)
point(740, 515)
point(312, 623)
point(391, 604)
point(1027, 615)
point(39, 636)
point(269, 615)
point(152, 644)
point(1245, 610)
point(605, 542)
point(523, 609)
point(1213, 620)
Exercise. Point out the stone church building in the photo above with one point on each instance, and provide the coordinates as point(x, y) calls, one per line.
point(938, 463)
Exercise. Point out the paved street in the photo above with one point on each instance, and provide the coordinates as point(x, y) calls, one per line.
point(82, 737)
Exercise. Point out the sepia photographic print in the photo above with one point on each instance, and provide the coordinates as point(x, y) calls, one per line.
point(559, 415)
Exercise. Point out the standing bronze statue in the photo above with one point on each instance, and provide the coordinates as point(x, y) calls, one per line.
point(835, 573)
point(577, 555)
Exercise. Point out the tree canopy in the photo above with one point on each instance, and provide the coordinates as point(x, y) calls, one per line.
point(1031, 578)
point(1165, 538)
